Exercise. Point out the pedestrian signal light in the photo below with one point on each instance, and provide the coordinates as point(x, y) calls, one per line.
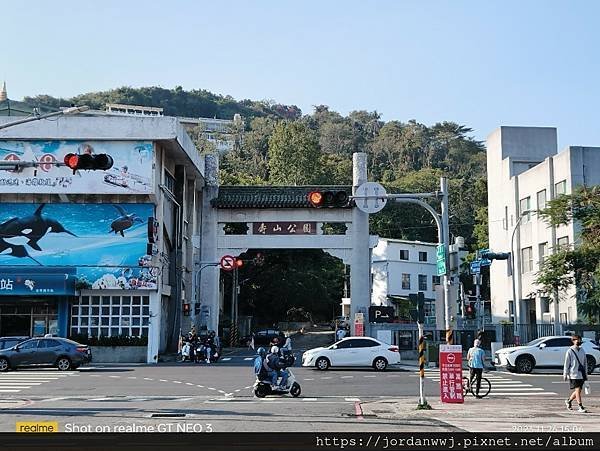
point(239, 263)
point(328, 198)
point(186, 309)
point(86, 161)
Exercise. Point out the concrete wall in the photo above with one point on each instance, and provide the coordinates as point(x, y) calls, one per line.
point(119, 354)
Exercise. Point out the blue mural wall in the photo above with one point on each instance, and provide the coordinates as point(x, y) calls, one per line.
point(106, 243)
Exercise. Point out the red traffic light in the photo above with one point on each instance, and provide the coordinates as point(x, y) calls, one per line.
point(328, 198)
point(239, 262)
point(71, 160)
point(85, 161)
point(315, 198)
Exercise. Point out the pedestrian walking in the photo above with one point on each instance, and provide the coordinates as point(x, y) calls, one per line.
point(575, 371)
point(475, 359)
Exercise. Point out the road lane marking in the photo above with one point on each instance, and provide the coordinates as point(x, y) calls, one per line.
point(201, 386)
point(346, 377)
point(184, 399)
point(115, 377)
point(210, 388)
point(224, 359)
point(327, 377)
point(148, 379)
point(522, 393)
point(249, 358)
point(307, 379)
point(10, 391)
point(369, 376)
point(52, 399)
point(188, 383)
point(309, 399)
point(517, 388)
point(163, 380)
point(352, 399)
point(177, 382)
point(131, 377)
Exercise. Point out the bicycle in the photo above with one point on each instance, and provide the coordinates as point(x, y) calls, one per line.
point(484, 389)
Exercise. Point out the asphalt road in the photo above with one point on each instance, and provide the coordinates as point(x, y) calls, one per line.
point(220, 395)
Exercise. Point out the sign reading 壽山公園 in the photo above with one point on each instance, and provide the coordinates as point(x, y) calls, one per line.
point(284, 228)
point(131, 172)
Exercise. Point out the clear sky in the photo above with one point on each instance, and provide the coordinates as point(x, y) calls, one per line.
point(481, 63)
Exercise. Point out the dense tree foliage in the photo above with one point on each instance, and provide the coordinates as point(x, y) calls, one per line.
point(280, 146)
point(576, 266)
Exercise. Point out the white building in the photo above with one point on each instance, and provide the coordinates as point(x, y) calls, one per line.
point(525, 171)
point(403, 267)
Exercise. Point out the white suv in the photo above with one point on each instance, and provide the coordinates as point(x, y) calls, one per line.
point(545, 352)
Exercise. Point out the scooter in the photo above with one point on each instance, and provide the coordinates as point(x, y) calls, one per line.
point(186, 351)
point(264, 388)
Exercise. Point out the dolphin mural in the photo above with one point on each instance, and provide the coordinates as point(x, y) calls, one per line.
point(123, 222)
point(33, 227)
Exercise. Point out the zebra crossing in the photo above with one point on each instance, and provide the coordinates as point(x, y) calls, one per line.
point(17, 381)
point(501, 385)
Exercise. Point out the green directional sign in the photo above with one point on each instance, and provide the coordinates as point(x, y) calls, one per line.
point(441, 260)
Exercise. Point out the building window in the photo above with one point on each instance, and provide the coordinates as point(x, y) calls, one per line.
point(526, 260)
point(404, 254)
point(563, 242)
point(570, 318)
point(541, 199)
point(560, 188)
point(422, 282)
point(169, 182)
point(511, 310)
point(429, 308)
point(422, 256)
point(543, 252)
point(525, 205)
point(111, 316)
point(545, 305)
point(563, 318)
point(406, 281)
point(435, 280)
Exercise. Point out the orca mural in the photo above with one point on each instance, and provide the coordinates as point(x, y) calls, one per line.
point(105, 242)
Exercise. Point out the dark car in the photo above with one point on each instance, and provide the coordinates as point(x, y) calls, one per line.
point(62, 353)
point(264, 337)
point(9, 342)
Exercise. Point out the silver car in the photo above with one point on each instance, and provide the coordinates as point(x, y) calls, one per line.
point(62, 353)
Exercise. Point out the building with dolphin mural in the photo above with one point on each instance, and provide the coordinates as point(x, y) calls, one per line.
point(101, 253)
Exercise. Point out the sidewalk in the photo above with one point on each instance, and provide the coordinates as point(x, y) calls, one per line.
point(492, 414)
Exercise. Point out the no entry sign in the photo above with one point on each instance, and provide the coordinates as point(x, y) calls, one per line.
point(451, 390)
point(227, 262)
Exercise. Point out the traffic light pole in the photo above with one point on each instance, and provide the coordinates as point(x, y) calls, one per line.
point(234, 298)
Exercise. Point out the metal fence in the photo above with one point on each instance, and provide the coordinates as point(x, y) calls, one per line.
point(527, 332)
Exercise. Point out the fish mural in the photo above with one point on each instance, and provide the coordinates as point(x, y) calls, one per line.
point(75, 235)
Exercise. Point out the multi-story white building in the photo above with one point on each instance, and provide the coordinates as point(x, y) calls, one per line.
point(403, 267)
point(525, 171)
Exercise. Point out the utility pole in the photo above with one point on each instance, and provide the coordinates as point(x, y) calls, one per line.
point(446, 241)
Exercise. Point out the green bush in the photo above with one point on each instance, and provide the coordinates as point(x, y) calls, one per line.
point(117, 340)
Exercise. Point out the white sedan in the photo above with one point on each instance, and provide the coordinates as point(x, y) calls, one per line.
point(544, 352)
point(353, 351)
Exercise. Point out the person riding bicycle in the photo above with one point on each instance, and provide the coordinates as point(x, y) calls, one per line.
point(475, 360)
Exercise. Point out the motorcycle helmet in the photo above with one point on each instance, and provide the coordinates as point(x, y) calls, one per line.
point(275, 350)
point(211, 334)
point(261, 352)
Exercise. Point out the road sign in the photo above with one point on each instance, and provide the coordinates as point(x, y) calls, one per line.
point(476, 267)
point(451, 390)
point(372, 204)
point(47, 161)
point(227, 263)
point(484, 261)
point(441, 260)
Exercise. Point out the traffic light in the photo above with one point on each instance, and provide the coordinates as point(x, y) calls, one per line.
point(86, 161)
point(319, 199)
point(418, 301)
point(186, 309)
point(494, 255)
point(470, 311)
point(238, 263)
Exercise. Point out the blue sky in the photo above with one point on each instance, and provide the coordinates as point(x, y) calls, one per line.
point(480, 63)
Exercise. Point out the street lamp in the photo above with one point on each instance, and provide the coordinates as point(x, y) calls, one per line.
point(36, 117)
point(517, 302)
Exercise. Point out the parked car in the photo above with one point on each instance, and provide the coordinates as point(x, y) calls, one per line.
point(9, 342)
point(353, 351)
point(62, 353)
point(264, 337)
point(544, 352)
